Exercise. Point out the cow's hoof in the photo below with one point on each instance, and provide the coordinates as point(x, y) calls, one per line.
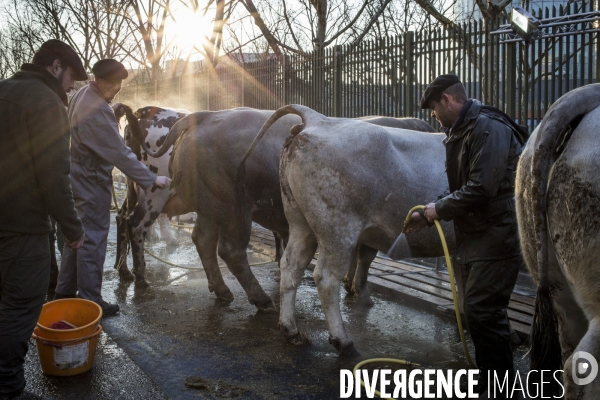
point(141, 284)
point(125, 275)
point(345, 349)
point(348, 286)
point(224, 295)
point(267, 307)
point(363, 299)
point(299, 339)
point(265, 304)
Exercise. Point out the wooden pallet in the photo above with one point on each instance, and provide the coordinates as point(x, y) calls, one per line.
point(422, 286)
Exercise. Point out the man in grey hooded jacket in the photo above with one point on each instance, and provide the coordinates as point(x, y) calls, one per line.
point(97, 147)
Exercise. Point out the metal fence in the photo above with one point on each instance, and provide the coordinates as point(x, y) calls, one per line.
point(387, 76)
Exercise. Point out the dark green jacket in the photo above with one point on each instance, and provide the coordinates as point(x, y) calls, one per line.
point(481, 159)
point(34, 156)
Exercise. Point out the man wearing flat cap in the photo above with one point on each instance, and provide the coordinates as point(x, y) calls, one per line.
point(97, 147)
point(482, 149)
point(34, 177)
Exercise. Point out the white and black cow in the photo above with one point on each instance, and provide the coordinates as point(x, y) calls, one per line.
point(558, 208)
point(142, 207)
point(347, 186)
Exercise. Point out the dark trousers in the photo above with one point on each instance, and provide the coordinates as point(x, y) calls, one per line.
point(487, 289)
point(24, 274)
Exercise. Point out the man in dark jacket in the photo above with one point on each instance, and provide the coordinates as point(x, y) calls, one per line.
point(96, 147)
point(482, 149)
point(34, 177)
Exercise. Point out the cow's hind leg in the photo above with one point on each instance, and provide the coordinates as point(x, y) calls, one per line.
point(123, 235)
point(138, 223)
point(365, 256)
point(296, 258)
point(280, 244)
point(232, 249)
point(589, 344)
point(334, 260)
point(355, 281)
point(205, 236)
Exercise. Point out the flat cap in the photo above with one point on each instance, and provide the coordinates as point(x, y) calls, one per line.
point(436, 87)
point(109, 69)
point(66, 53)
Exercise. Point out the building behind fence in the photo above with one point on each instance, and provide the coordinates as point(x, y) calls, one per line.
point(388, 76)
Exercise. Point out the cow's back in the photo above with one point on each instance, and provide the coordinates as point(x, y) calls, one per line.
point(362, 175)
point(414, 124)
point(208, 154)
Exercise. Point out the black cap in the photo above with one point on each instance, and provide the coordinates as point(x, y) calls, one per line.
point(109, 69)
point(434, 89)
point(66, 53)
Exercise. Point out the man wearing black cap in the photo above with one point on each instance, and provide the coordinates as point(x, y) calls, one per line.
point(482, 149)
point(97, 147)
point(34, 177)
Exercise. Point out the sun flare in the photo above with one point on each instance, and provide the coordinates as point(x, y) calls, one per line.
point(189, 29)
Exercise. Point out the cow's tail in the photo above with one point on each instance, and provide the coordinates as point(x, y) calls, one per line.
point(240, 178)
point(560, 120)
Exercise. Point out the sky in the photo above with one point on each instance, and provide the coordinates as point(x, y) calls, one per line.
point(189, 28)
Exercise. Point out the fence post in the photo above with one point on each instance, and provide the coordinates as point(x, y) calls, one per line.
point(244, 72)
point(337, 81)
point(511, 79)
point(409, 89)
point(207, 76)
point(283, 64)
point(597, 54)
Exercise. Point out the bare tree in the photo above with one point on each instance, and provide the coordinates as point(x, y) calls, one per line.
point(308, 25)
point(96, 29)
point(151, 18)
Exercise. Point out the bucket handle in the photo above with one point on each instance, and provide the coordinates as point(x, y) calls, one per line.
point(60, 346)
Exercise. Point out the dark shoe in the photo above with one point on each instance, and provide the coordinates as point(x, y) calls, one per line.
point(108, 309)
point(58, 296)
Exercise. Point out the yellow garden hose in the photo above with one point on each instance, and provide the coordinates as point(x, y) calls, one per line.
point(454, 297)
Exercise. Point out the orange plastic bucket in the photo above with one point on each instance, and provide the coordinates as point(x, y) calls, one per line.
point(66, 357)
point(84, 314)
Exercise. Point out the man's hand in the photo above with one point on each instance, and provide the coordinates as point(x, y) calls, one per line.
point(76, 244)
point(416, 223)
point(162, 182)
point(430, 213)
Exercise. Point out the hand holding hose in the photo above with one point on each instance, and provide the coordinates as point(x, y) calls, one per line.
point(430, 213)
point(417, 221)
point(421, 218)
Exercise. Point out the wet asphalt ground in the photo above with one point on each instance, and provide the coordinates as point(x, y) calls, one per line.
point(176, 340)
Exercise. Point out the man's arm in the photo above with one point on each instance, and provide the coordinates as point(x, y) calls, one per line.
point(48, 130)
point(488, 155)
point(103, 138)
